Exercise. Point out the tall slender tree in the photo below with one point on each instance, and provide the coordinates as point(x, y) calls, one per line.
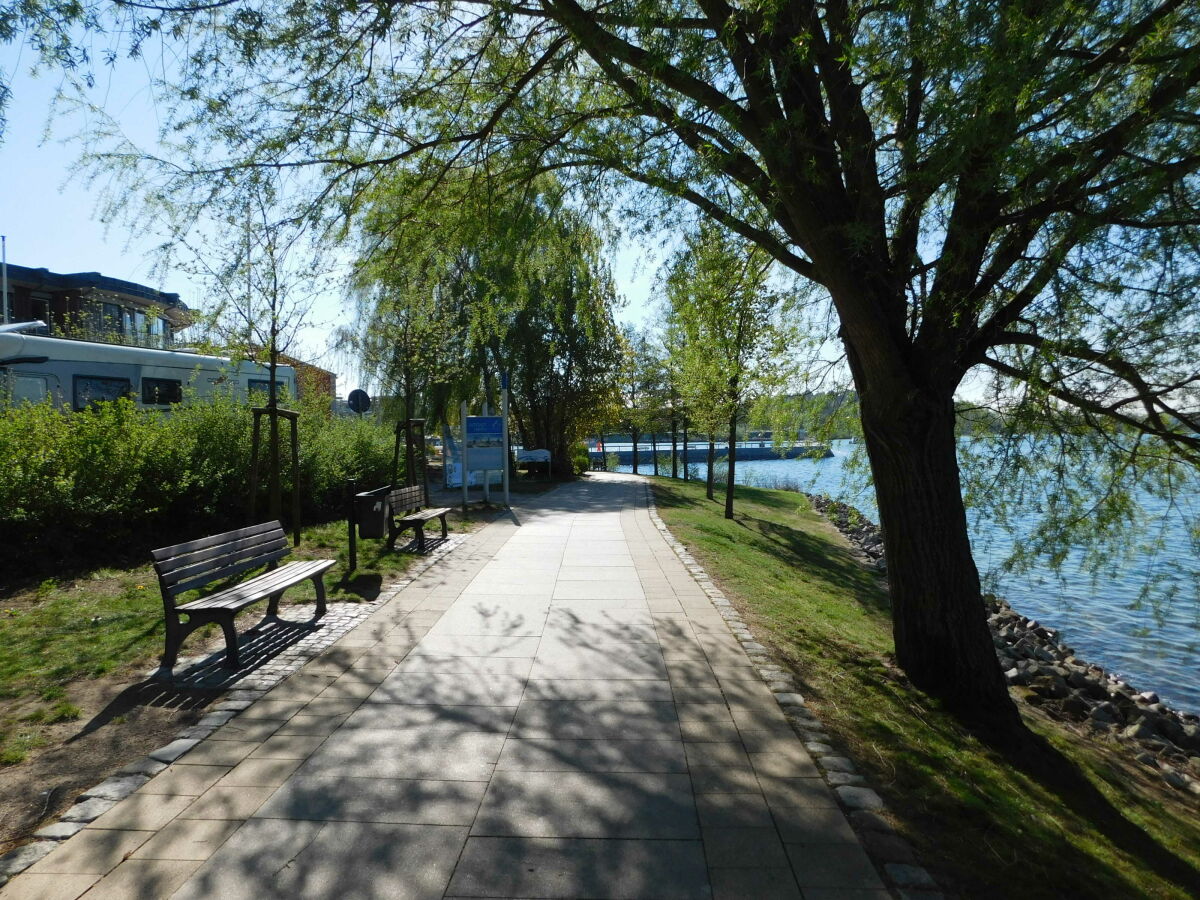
point(733, 342)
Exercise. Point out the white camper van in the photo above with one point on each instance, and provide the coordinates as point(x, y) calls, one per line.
point(75, 374)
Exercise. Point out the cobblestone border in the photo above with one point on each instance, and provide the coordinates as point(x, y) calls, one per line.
point(340, 619)
point(893, 855)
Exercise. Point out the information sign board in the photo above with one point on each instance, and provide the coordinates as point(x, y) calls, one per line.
point(485, 442)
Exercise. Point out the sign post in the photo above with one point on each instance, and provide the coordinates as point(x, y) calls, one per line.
point(463, 456)
point(487, 495)
point(504, 414)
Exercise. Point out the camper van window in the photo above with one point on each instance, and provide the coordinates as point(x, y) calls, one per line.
point(161, 391)
point(90, 389)
point(28, 389)
point(264, 387)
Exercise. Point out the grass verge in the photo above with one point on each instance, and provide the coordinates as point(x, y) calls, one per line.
point(110, 621)
point(987, 823)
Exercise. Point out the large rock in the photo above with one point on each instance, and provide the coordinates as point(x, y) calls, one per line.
point(1140, 730)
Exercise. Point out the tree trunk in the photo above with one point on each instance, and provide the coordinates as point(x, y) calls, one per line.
point(685, 449)
point(938, 618)
point(674, 448)
point(274, 490)
point(654, 451)
point(732, 462)
point(634, 437)
point(712, 454)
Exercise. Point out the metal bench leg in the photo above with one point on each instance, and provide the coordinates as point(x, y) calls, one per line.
point(420, 529)
point(319, 583)
point(443, 518)
point(232, 659)
point(175, 636)
point(273, 605)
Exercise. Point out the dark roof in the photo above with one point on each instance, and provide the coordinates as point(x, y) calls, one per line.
point(44, 278)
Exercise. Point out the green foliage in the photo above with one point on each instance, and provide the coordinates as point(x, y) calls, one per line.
point(117, 473)
point(581, 460)
point(508, 282)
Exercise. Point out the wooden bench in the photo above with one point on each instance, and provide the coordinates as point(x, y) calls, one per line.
point(405, 510)
point(197, 564)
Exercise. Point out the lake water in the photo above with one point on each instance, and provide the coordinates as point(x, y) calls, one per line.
point(1155, 649)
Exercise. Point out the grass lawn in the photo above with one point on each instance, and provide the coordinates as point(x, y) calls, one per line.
point(109, 622)
point(989, 824)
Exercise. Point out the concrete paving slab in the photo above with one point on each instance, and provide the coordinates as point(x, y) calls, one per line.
point(635, 661)
point(833, 866)
point(187, 839)
point(228, 802)
point(282, 858)
point(448, 718)
point(143, 878)
point(478, 645)
point(260, 773)
point(594, 719)
point(572, 804)
point(761, 884)
point(141, 812)
point(288, 746)
point(218, 753)
point(90, 852)
point(449, 689)
point(733, 811)
point(744, 848)
point(306, 724)
point(48, 887)
point(606, 755)
point(397, 801)
point(616, 869)
point(596, 689)
point(476, 665)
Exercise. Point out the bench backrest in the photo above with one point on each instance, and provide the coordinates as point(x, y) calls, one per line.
point(183, 567)
point(407, 499)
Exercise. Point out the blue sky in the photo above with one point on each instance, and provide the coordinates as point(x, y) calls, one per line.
point(50, 218)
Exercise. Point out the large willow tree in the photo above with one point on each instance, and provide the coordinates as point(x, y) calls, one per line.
point(993, 187)
point(456, 287)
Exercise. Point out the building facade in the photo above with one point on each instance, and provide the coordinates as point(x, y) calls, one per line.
point(91, 306)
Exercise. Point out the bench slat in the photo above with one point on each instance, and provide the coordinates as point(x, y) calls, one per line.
point(204, 543)
point(261, 586)
point(424, 515)
point(208, 576)
point(406, 498)
point(180, 567)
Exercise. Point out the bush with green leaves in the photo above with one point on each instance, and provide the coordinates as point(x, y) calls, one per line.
point(120, 478)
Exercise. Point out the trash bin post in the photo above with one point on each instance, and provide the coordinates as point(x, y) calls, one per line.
point(351, 525)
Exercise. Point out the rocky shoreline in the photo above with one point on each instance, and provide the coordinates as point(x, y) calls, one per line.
point(1045, 672)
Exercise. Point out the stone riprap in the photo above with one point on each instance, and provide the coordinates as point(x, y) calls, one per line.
point(1035, 658)
point(563, 707)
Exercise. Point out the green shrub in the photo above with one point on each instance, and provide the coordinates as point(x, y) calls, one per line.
point(581, 460)
point(120, 477)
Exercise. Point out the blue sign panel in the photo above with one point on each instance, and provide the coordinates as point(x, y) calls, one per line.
point(485, 442)
point(483, 428)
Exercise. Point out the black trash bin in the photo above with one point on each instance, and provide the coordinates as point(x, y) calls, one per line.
point(371, 512)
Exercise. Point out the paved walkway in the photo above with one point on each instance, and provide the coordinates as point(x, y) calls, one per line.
point(554, 710)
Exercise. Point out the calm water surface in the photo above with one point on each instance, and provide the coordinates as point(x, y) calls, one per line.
point(1153, 648)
